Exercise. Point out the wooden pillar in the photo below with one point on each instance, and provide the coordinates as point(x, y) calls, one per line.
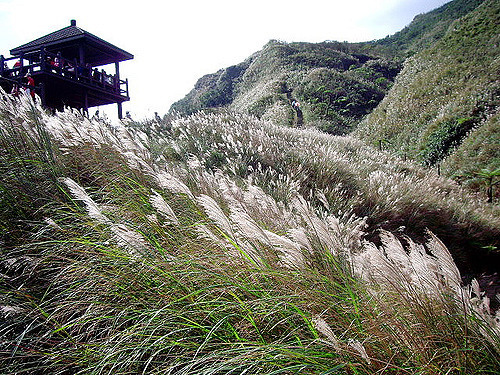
point(21, 66)
point(117, 69)
point(1, 65)
point(120, 111)
point(86, 102)
point(75, 65)
point(117, 77)
point(43, 57)
point(60, 62)
point(42, 94)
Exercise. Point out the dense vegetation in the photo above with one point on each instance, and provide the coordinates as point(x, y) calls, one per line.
point(424, 30)
point(444, 105)
point(223, 244)
point(335, 85)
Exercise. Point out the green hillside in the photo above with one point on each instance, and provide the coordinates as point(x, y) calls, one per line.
point(444, 99)
point(424, 30)
point(222, 244)
point(443, 107)
point(335, 85)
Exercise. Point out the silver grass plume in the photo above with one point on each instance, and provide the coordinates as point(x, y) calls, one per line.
point(299, 236)
point(204, 232)
point(322, 327)
point(128, 239)
point(163, 208)
point(291, 253)
point(173, 184)
point(215, 213)
point(317, 226)
point(79, 193)
point(357, 346)
point(247, 227)
point(124, 236)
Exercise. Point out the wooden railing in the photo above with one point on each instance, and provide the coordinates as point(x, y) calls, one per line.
point(15, 68)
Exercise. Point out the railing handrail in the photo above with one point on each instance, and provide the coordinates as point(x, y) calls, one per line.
point(68, 69)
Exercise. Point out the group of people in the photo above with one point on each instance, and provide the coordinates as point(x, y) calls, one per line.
point(26, 84)
point(14, 72)
point(28, 88)
point(58, 64)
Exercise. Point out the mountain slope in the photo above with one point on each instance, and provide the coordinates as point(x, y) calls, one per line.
point(445, 97)
point(335, 85)
point(447, 92)
point(425, 29)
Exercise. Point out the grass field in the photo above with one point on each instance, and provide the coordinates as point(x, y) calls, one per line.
point(222, 244)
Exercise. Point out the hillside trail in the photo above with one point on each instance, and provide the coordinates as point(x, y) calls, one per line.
point(299, 118)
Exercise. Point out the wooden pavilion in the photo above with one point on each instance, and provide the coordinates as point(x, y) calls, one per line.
point(67, 67)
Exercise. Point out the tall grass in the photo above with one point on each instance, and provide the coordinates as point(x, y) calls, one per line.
point(225, 245)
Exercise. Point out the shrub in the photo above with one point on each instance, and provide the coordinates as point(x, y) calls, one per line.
point(444, 139)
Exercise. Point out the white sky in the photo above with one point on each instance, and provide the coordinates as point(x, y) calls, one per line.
point(176, 42)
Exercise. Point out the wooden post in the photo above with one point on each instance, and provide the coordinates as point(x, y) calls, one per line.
point(60, 62)
point(117, 71)
point(1, 65)
point(120, 111)
point(42, 94)
point(21, 64)
point(86, 102)
point(81, 55)
point(117, 77)
point(43, 57)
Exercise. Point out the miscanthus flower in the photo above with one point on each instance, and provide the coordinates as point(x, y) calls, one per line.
point(124, 236)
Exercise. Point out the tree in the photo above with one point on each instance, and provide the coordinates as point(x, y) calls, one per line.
point(489, 178)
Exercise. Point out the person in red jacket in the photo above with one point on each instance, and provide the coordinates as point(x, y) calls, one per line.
point(31, 86)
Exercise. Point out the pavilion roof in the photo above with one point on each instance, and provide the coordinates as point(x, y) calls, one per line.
point(70, 39)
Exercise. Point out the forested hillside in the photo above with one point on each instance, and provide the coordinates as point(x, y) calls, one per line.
point(335, 85)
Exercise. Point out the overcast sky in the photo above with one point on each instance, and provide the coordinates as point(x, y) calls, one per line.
point(177, 42)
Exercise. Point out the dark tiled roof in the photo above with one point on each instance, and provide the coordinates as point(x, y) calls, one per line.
point(68, 33)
